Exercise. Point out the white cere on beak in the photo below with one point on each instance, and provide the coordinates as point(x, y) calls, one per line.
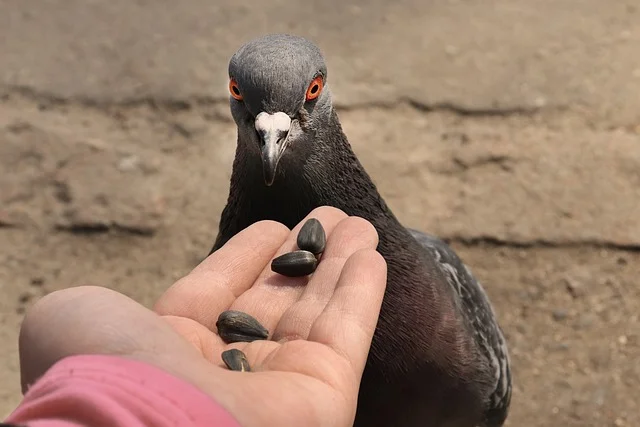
point(277, 123)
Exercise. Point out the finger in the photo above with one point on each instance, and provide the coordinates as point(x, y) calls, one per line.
point(224, 275)
point(273, 293)
point(350, 235)
point(350, 317)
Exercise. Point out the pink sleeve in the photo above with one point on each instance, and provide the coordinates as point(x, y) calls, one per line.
point(111, 391)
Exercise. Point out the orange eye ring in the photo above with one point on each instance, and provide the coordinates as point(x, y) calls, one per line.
point(234, 90)
point(315, 88)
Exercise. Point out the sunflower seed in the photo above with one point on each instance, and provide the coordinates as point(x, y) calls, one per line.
point(312, 237)
point(236, 360)
point(235, 326)
point(295, 264)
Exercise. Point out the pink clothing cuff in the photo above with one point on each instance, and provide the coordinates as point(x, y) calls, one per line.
point(96, 391)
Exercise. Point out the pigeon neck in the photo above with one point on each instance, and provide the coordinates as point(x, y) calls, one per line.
point(331, 175)
point(337, 178)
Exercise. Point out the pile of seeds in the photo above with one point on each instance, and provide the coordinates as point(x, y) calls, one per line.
point(236, 326)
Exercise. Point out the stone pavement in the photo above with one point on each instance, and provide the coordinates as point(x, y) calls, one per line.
point(565, 59)
point(476, 56)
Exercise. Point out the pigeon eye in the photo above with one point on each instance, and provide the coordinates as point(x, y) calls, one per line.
point(314, 89)
point(234, 90)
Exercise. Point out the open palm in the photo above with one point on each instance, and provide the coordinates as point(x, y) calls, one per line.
point(321, 326)
point(309, 370)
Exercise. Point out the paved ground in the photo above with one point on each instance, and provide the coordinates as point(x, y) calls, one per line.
point(521, 119)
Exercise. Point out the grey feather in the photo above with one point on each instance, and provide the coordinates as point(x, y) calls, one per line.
point(259, 67)
point(479, 316)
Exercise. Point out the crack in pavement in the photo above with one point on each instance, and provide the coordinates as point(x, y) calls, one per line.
point(447, 164)
point(494, 242)
point(466, 241)
point(189, 103)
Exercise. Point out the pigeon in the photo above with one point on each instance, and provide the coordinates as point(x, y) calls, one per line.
point(438, 355)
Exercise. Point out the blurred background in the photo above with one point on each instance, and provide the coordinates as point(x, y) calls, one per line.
point(511, 128)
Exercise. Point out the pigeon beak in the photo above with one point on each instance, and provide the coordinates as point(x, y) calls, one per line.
point(273, 130)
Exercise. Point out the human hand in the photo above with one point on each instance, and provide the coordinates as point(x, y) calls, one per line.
point(307, 373)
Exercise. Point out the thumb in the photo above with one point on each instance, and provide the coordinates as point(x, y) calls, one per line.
point(96, 320)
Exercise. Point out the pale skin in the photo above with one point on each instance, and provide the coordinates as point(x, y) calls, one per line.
point(307, 373)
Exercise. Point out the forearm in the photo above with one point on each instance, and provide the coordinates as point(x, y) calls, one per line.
point(110, 391)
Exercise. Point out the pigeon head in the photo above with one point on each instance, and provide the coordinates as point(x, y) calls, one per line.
point(278, 96)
